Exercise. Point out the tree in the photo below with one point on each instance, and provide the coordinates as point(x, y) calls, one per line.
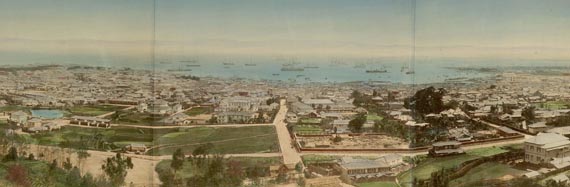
point(67, 164)
point(356, 124)
point(528, 113)
point(299, 167)
point(73, 179)
point(18, 175)
point(11, 156)
point(116, 168)
point(82, 154)
point(177, 160)
point(426, 101)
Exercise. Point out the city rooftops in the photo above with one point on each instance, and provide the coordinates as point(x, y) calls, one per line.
point(87, 118)
point(548, 140)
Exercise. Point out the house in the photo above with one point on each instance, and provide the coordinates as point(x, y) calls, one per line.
point(137, 148)
point(18, 118)
point(159, 107)
point(199, 119)
point(235, 117)
point(52, 126)
point(537, 127)
point(460, 134)
point(446, 148)
point(542, 148)
point(90, 121)
point(34, 122)
point(389, 165)
point(341, 125)
point(142, 107)
point(176, 119)
point(561, 178)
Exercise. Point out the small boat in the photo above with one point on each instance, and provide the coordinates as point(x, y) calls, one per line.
point(410, 72)
point(250, 64)
point(228, 63)
point(193, 65)
point(311, 67)
point(276, 74)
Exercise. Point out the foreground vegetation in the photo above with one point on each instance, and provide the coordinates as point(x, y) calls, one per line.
point(426, 166)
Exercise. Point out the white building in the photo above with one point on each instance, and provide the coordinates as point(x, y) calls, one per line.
point(542, 148)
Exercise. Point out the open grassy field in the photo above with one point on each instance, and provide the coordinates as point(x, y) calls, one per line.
point(12, 108)
point(377, 184)
point(225, 140)
point(309, 159)
point(486, 171)
point(97, 138)
point(310, 121)
point(94, 110)
point(424, 169)
point(308, 129)
point(373, 117)
point(199, 110)
point(554, 105)
point(135, 118)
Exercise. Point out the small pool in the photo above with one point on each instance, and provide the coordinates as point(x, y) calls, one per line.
point(47, 114)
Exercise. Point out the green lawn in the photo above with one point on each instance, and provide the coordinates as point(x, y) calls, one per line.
point(11, 108)
point(94, 110)
point(308, 129)
point(225, 140)
point(198, 110)
point(310, 121)
point(554, 105)
point(374, 117)
point(377, 184)
point(486, 171)
point(308, 159)
point(424, 169)
point(135, 118)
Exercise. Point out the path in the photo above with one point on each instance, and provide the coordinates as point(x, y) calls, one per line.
point(290, 154)
point(111, 113)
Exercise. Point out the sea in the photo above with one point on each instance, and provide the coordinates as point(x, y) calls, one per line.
point(309, 70)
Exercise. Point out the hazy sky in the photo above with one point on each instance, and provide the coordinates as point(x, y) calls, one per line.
point(525, 29)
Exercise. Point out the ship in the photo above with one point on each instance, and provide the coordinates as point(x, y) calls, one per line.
point(189, 61)
point(410, 72)
point(292, 69)
point(311, 67)
point(377, 71)
point(179, 70)
point(228, 63)
point(193, 65)
point(250, 64)
point(276, 74)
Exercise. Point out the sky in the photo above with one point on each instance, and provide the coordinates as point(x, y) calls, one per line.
point(146, 29)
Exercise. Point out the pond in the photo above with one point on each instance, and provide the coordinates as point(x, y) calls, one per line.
point(47, 114)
